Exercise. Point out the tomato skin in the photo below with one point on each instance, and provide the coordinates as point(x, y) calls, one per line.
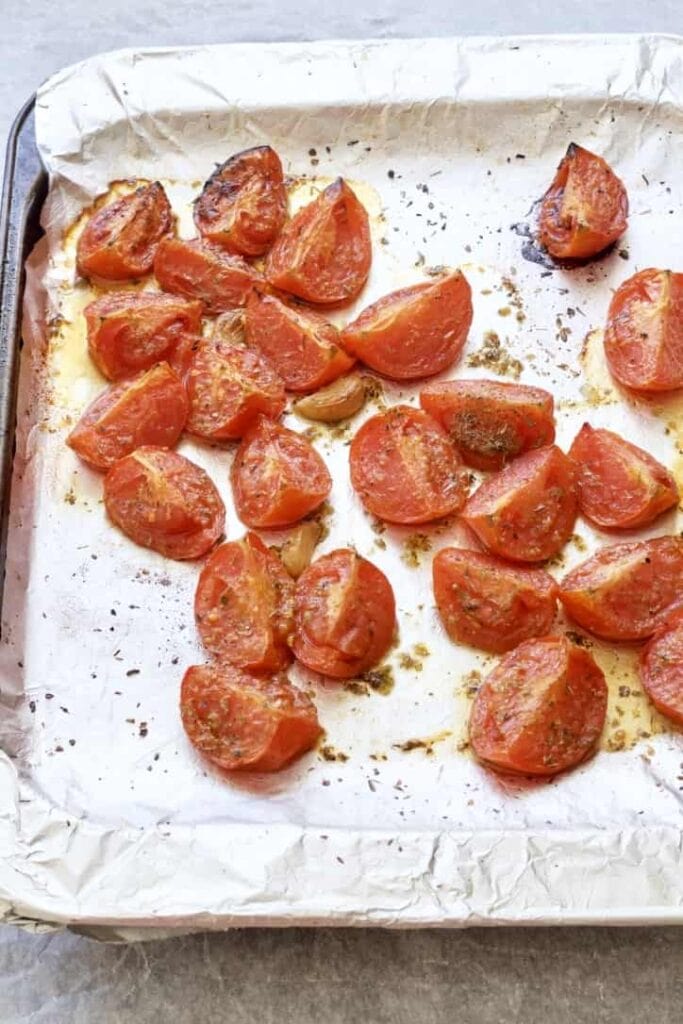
point(488, 604)
point(243, 205)
point(661, 666)
point(302, 346)
point(162, 501)
point(585, 209)
point(150, 409)
point(527, 511)
point(229, 387)
point(244, 606)
point(414, 332)
point(246, 723)
point(404, 468)
point(623, 590)
point(541, 710)
point(119, 241)
point(323, 253)
point(644, 333)
point(345, 615)
point(491, 423)
point(130, 331)
point(201, 270)
point(277, 476)
point(620, 485)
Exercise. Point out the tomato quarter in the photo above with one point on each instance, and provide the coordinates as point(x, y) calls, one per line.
point(161, 500)
point(541, 710)
point(661, 666)
point(345, 615)
point(201, 270)
point(119, 241)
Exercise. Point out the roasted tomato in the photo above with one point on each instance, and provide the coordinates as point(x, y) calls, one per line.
point(585, 209)
point(620, 485)
point(245, 723)
point(202, 270)
point(163, 501)
point(621, 592)
point(644, 333)
point(243, 204)
point(404, 468)
point(277, 476)
point(303, 348)
point(229, 387)
point(120, 239)
point(414, 332)
point(527, 511)
point(323, 254)
point(181, 356)
point(244, 606)
point(130, 331)
point(541, 710)
point(149, 409)
point(345, 615)
point(487, 604)
point(661, 666)
point(491, 423)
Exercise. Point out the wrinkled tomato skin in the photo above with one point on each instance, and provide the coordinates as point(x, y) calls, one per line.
point(404, 468)
point(243, 205)
point(323, 253)
point(119, 241)
point(414, 332)
point(620, 485)
point(201, 270)
point(345, 615)
point(622, 592)
point(541, 711)
point(244, 606)
point(241, 722)
point(150, 409)
point(488, 604)
point(585, 209)
point(277, 477)
point(162, 501)
point(491, 423)
point(302, 346)
point(644, 333)
point(661, 666)
point(131, 331)
point(527, 511)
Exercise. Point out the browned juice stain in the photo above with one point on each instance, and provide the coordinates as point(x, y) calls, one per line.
point(598, 387)
point(630, 715)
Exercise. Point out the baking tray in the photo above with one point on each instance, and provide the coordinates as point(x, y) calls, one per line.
point(406, 831)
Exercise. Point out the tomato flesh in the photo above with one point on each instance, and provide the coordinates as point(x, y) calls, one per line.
point(119, 241)
point(201, 270)
point(661, 667)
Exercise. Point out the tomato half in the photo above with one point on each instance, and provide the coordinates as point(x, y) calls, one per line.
point(541, 710)
point(245, 723)
point(120, 239)
point(404, 468)
point(644, 332)
point(244, 606)
point(585, 209)
point(323, 254)
point(163, 501)
point(229, 387)
point(487, 604)
point(243, 204)
point(620, 485)
point(661, 666)
point(301, 345)
point(130, 331)
point(621, 592)
point(527, 511)
point(491, 423)
point(149, 409)
point(414, 332)
point(201, 270)
point(277, 476)
point(345, 615)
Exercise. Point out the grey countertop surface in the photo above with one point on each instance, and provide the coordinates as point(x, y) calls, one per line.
point(483, 976)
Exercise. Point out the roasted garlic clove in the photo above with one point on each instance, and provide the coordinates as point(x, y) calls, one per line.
point(297, 551)
point(337, 401)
